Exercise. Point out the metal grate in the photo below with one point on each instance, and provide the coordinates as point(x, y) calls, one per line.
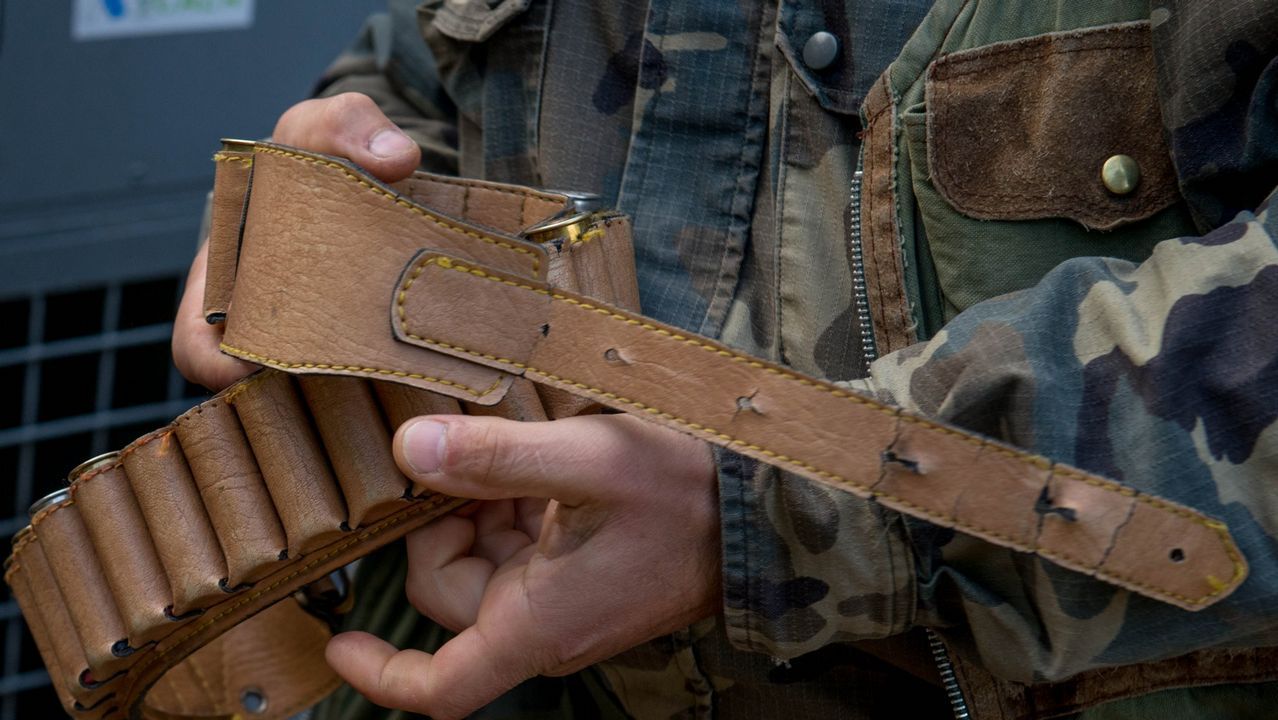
point(81, 372)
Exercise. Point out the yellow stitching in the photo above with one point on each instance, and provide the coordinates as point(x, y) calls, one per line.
point(355, 368)
point(1219, 528)
point(222, 157)
point(536, 261)
point(251, 597)
point(588, 236)
point(474, 185)
point(204, 683)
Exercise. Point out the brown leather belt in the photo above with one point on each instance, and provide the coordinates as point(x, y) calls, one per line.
point(175, 578)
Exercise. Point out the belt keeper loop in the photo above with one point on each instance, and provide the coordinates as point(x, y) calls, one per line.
point(232, 182)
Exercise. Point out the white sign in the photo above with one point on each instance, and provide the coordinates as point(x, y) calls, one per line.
point(98, 19)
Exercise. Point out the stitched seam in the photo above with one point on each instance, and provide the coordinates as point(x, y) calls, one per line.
point(355, 368)
point(879, 227)
point(886, 107)
point(588, 236)
point(251, 597)
point(185, 417)
point(1030, 52)
point(536, 261)
point(899, 308)
point(172, 427)
point(1042, 463)
point(154, 435)
point(199, 677)
point(779, 245)
point(223, 157)
point(526, 194)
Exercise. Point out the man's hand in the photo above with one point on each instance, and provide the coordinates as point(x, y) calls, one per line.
point(347, 125)
point(626, 550)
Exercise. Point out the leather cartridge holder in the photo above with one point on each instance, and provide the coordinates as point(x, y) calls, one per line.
point(176, 578)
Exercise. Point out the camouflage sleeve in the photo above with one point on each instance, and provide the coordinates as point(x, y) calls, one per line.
point(391, 63)
point(1163, 376)
point(805, 566)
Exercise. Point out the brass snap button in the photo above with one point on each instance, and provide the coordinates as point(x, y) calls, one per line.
point(1120, 174)
point(820, 50)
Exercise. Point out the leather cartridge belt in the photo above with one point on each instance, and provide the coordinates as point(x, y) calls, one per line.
point(184, 577)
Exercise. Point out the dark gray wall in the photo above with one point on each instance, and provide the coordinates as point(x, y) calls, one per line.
point(105, 144)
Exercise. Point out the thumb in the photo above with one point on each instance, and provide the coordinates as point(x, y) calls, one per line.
point(350, 125)
point(488, 458)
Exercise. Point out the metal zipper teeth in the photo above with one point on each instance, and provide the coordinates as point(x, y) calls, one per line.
point(946, 667)
point(870, 353)
point(860, 293)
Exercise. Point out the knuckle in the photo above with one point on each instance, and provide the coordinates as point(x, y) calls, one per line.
point(341, 110)
point(292, 124)
point(417, 590)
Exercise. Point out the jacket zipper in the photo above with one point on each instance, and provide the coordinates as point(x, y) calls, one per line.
point(945, 666)
point(869, 353)
point(860, 294)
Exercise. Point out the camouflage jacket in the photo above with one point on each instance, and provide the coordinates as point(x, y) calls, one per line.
point(735, 147)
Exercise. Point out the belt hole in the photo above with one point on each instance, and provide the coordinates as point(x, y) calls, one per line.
point(1176, 555)
point(253, 700)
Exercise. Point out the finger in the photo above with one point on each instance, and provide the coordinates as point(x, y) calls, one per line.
point(494, 516)
point(379, 672)
point(444, 583)
point(490, 458)
point(467, 673)
point(529, 513)
point(499, 546)
point(350, 125)
point(497, 534)
point(196, 343)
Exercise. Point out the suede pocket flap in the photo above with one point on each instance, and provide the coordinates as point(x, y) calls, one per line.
point(1020, 130)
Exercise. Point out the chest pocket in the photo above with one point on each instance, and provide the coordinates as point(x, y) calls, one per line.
point(836, 49)
point(1057, 136)
point(1022, 130)
point(471, 20)
point(489, 55)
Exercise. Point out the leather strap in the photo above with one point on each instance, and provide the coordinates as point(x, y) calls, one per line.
point(818, 430)
point(518, 318)
point(234, 165)
point(172, 581)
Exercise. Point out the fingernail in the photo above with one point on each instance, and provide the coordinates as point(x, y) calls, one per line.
point(424, 446)
point(390, 143)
